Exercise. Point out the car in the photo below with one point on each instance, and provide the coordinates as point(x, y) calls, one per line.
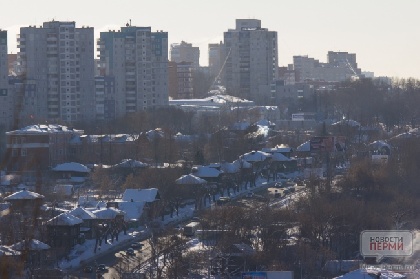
point(249, 195)
point(287, 191)
point(88, 269)
point(195, 219)
point(136, 245)
point(101, 268)
point(279, 185)
point(222, 200)
point(130, 252)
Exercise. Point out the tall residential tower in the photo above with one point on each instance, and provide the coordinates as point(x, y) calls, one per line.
point(251, 58)
point(137, 60)
point(6, 97)
point(58, 60)
point(185, 52)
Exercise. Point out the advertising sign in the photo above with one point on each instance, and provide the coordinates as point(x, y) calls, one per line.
point(298, 117)
point(322, 144)
point(379, 244)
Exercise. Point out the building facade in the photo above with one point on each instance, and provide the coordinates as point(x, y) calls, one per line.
point(216, 58)
point(340, 66)
point(137, 59)
point(251, 58)
point(37, 147)
point(181, 80)
point(59, 58)
point(185, 52)
point(6, 98)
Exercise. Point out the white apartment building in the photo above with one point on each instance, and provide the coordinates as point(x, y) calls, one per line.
point(251, 58)
point(59, 59)
point(137, 60)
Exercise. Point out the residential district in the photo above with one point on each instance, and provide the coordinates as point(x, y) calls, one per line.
point(137, 165)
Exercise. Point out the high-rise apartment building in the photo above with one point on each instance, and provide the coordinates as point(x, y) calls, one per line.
point(251, 58)
point(216, 58)
point(185, 52)
point(6, 98)
point(181, 80)
point(59, 59)
point(137, 60)
point(344, 60)
point(4, 64)
point(340, 66)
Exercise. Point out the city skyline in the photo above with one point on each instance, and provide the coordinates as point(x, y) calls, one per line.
point(382, 35)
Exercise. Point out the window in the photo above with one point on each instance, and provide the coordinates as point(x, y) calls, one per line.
point(14, 152)
point(23, 152)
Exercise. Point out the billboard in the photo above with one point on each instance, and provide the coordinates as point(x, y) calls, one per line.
point(322, 144)
point(298, 117)
point(328, 144)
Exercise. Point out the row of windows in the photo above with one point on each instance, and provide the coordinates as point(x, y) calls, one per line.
point(23, 152)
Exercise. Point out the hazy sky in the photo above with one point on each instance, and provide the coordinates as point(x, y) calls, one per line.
point(385, 34)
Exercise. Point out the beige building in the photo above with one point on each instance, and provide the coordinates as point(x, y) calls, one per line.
point(251, 58)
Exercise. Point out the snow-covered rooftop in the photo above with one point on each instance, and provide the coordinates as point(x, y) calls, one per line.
point(349, 122)
point(205, 171)
point(82, 213)
point(190, 179)
point(72, 166)
point(278, 148)
point(24, 195)
point(364, 273)
point(64, 219)
point(108, 213)
point(7, 251)
point(32, 245)
point(304, 147)
point(133, 210)
point(119, 138)
point(140, 195)
point(255, 156)
point(130, 163)
point(279, 157)
point(87, 201)
point(51, 128)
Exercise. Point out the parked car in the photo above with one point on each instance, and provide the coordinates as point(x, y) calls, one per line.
point(130, 252)
point(279, 185)
point(249, 195)
point(88, 269)
point(101, 268)
point(136, 245)
point(222, 200)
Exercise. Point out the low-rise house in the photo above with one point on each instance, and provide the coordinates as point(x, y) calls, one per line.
point(35, 250)
point(150, 197)
point(63, 233)
point(88, 218)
